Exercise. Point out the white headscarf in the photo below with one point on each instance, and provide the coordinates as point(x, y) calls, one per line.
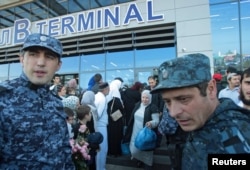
point(71, 102)
point(148, 94)
point(88, 98)
point(114, 86)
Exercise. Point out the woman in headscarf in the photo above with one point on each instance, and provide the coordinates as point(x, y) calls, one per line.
point(89, 99)
point(115, 128)
point(130, 97)
point(144, 114)
point(114, 87)
point(71, 88)
point(71, 102)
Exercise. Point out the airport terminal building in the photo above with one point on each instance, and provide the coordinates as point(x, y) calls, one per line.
point(127, 38)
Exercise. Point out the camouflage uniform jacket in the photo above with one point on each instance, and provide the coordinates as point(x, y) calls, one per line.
point(167, 125)
point(226, 132)
point(33, 129)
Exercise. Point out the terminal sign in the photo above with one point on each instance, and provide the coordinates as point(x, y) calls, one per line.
point(85, 22)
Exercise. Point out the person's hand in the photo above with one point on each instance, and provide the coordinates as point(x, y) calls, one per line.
point(148, 124)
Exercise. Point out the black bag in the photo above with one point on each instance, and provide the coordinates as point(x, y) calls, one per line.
point(125, 145)
point(175, 144)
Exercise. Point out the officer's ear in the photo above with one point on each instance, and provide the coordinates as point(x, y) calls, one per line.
point(59, 65)
point(212, 88)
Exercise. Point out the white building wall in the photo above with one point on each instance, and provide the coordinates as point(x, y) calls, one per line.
point(193, 29)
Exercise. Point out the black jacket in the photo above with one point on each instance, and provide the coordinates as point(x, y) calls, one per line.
point(149, 110)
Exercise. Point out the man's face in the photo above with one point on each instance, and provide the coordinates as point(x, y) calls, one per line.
point(106, 91)
point(63, 91)
point(152, 83)
point(188, 107)
point(70, 120)
point(245, 90)
point(39, 65)
point(234, 82)
point(57, 80)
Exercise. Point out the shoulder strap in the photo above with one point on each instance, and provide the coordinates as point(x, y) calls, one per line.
point(111, 109)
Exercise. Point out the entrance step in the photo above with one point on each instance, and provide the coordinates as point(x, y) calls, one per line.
point(162, 160)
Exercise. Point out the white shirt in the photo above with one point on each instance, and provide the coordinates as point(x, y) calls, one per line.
point(101, 105)
point(71, 134)
point(232, 94)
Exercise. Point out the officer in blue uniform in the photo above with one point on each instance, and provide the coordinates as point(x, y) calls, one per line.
point(33, 129)
point(214, 126)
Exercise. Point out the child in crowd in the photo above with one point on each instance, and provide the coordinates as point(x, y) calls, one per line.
point(84, 116)
point(69, 120)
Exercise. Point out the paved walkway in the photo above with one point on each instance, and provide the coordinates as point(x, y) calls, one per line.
point(117, 167)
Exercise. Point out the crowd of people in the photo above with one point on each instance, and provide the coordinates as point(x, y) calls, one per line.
point(57, 126)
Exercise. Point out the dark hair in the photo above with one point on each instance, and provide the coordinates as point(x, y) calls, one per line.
point(58, 88)
point(56, 75)
point(69, 112)
point(245, 73)
point(103, 86)
point(154, 77)
point(231, 69)
point(82, 111)
point(97, 77)
point(137, 86)
point(202, 88)
point(119, 78)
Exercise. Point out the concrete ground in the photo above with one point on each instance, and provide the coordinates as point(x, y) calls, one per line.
point(117, 167)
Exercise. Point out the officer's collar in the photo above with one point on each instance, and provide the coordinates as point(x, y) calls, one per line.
point(34, 86)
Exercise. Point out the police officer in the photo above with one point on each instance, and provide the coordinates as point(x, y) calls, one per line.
point(33, 129)
point(190, 95)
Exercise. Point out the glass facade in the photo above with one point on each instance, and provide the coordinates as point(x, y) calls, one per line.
point(4, 72)
point(230, 23)
point(134, 65)
point(14, 70)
